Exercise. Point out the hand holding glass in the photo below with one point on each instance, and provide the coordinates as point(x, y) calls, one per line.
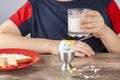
point(74, 18)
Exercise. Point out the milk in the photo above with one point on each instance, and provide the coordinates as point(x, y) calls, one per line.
point(74, 23)
point(74, 26)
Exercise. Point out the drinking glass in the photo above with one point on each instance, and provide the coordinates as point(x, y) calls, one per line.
point(74, 18)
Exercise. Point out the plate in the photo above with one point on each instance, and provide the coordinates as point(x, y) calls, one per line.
point(35, 56)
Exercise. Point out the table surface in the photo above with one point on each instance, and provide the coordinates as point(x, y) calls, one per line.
point(48, 68)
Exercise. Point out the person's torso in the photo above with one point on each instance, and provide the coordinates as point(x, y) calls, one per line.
point(49, 19)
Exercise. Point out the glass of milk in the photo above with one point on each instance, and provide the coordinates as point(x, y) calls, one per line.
point(74, 18)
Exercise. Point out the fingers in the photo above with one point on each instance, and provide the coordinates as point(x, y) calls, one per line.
point(82, 50)
point(92, 22)
point(90, 28)
point(79, 54)
point(91, 17)
point(92, 13)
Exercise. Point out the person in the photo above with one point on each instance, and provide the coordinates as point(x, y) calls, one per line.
point(46, 21)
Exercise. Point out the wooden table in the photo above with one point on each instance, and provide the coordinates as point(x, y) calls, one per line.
point(48, 68)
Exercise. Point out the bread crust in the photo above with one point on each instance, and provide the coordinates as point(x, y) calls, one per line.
point(24, 60)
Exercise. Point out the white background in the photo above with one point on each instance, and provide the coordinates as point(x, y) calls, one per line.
point(8, 7)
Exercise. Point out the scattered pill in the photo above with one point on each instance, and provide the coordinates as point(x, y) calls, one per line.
point(72, 70)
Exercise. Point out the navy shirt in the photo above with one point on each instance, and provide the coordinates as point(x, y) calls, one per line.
point(48, 19)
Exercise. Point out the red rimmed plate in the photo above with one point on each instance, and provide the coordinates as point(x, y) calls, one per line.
point(35, 56)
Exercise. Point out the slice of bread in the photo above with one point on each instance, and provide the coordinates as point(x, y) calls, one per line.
point(11, 62)
point(20, 58)
point(3, 62)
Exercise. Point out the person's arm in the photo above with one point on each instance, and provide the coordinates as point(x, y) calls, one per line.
point(10, 37)
point(93, 22)
point(111, 40)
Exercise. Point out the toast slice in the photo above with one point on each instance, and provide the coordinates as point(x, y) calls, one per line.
point(3, 63)
point(20, 58)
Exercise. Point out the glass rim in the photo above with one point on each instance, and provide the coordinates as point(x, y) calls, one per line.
point(78, 9)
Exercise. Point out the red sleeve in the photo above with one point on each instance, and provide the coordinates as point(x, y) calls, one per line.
point(23, 14)
point(114, 13)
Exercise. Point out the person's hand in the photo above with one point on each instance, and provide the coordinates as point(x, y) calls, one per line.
point(93, 22)
point(82, 49)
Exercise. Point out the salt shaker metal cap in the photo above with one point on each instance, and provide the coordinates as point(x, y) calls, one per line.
point(66, 53)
